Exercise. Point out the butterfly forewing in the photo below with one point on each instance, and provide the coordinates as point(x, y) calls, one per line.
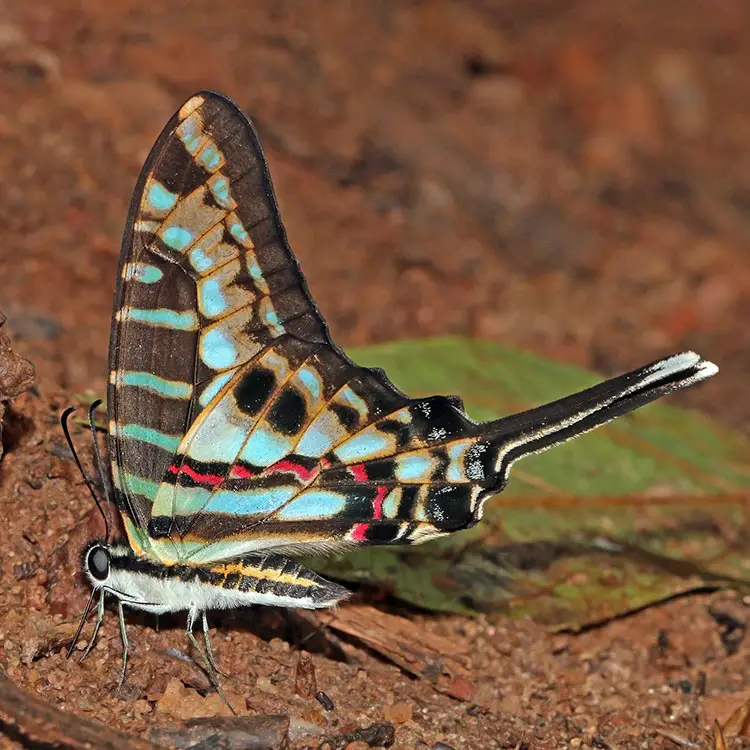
point(207, 281)
point(237, 426)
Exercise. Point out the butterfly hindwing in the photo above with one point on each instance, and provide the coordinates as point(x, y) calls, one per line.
point(303, 449)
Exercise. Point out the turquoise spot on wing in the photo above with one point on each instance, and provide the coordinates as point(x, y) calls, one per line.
point(210, 157)
point(250, 502)
point(217, 349)
point(181, 321)
point(191, 137)
point(313, 504)
point(269, 317)
point(264, 447)
point(150, 274)
point(272, 318)
point(414, 468)
point(201, 262)
point(159, 198)
point(168, 388)
point(213, 388)
point(139, 485)
point(211, 298)
point(455, 471)
point(143, 272)
point(239, 232)
point(151, 436)
point(311, 382)
point(220, 190)
point(192, 142)
point(363, 447)
point(178, 238)
point(254, 269)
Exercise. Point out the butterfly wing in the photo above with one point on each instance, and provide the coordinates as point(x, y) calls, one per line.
point(196, 297)
point(237, 426)
point(328, 455)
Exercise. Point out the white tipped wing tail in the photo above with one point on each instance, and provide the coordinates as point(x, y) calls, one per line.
point(546, 426)
point(687, 367)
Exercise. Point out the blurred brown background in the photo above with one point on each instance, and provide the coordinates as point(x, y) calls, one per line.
point(571, 177)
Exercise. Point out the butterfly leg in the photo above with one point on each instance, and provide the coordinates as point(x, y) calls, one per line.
point(125, 644)
point(209, 650)
point(207, 662)
point(99, 618)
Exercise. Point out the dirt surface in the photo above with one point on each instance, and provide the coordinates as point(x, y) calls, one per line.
point(571, 177)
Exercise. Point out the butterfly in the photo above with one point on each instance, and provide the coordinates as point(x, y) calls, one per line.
point(240, 435)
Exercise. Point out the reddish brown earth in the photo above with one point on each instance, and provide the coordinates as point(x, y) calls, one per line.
point(571, 177)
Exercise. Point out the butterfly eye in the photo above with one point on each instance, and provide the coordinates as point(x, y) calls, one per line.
point(98, 563)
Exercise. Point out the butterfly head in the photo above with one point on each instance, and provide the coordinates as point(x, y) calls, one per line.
point(109, 568)
point(96, 563)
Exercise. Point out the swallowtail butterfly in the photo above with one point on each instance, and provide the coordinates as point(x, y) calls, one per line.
point(241, 435)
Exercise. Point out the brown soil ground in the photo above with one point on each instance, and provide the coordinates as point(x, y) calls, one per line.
point(573, 178)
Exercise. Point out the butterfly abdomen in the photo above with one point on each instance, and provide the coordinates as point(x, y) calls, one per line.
point(278, 576)
point(272, 579)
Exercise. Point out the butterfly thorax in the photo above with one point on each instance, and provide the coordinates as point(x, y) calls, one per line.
point(144, 584)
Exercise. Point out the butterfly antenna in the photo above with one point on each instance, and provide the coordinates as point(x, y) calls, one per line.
point(98, 462)
point(64, 423)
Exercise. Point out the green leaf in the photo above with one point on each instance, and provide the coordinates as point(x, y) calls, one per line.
point(646, 507)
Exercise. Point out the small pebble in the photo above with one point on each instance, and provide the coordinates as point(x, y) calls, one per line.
point(398, 713)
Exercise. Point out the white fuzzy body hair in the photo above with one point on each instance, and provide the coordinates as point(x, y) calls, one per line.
point(171, 594)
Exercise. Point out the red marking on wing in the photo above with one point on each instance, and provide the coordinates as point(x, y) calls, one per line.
point(240, 472)
point(359, 472)
point(211, 479)
point(289, 466)
point(378, 502)
point(358, 531)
